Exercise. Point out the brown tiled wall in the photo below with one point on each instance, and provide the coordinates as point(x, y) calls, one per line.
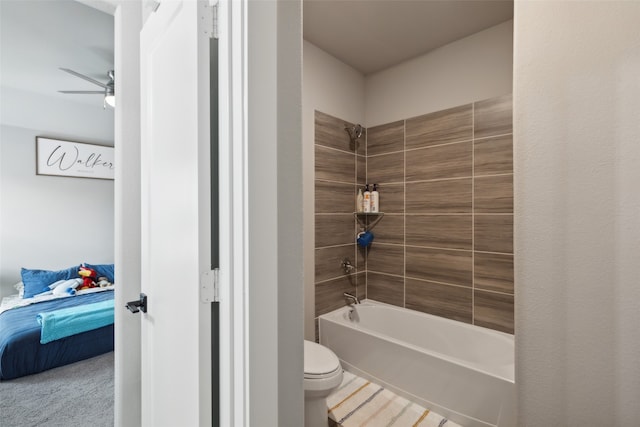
point(340, 166)
point(445, 244)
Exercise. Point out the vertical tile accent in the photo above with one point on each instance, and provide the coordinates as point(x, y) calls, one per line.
point(441, 127)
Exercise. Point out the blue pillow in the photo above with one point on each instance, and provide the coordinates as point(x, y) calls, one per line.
point(38, 281)
point(103, 270)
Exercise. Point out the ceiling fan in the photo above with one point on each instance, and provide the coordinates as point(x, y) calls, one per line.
point(109, 88)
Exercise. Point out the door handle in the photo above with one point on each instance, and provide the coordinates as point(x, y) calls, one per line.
point(138, 305)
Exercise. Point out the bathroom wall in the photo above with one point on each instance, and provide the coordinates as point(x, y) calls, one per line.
point(445, 244)
point(577, 234)
point(476, 67)
point(328, 85)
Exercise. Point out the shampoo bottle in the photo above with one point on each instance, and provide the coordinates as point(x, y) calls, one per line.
point(366, 200)
point(359, 201)
point(375, 199)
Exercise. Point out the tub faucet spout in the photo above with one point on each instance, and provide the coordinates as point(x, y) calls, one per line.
point(351, 299)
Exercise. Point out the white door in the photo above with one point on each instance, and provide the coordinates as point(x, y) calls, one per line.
point(176, 200)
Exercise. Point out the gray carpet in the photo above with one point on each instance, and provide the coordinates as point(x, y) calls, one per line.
point(76, 395)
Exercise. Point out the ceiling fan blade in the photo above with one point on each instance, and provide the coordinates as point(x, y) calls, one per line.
point(82, 76)
point(101, 92)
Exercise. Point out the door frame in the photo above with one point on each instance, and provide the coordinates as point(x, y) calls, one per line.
point(261, 309)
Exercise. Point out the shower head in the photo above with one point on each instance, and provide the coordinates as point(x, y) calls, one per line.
point(354, 131)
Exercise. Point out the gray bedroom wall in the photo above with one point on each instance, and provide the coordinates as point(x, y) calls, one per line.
point(50, 222)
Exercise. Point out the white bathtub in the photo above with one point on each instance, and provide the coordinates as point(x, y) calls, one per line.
point(460, 371)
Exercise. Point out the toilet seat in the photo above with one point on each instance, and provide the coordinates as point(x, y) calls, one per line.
point(319, 361)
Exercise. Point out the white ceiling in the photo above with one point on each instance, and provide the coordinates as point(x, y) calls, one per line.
point(372, 35)
point(39, 37)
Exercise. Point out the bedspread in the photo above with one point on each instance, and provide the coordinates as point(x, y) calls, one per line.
point(21, 352)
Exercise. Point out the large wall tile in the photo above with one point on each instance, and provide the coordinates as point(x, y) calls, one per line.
point(452, 302)
point(391, 198)
point(384, 258)
point(385, 168)
point(361, 170)
point(390, 229)
point(386, 138)
point(330, 132)
point(444, 161)
point(448, 196)
point(333, 230)
point(493, 310)
point(385, 288)
point(439, 265)
point(439, 231)
point(334, 197)
point(328, 261)
point(493, 194)
point(335, 165)
point(329, 294)
point(493, 156)
point(493, 272)
point(441, 127)
point(493, 233)
point(361, 143)
point(493, 117)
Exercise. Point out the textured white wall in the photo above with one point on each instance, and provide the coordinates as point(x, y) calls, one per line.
point(471, 69)
point(577, 204)
point(330, 86)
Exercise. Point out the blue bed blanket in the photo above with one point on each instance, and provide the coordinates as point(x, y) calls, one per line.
point(74, 320)
point(21, 352)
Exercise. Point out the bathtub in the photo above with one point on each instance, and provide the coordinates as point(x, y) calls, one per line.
point(461, 371)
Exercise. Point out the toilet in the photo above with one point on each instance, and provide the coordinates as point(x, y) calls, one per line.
point(322, 374)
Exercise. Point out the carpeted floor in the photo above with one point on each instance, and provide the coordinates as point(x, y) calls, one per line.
point(76, 395)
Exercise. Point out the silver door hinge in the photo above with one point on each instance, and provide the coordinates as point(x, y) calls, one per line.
point(209, 283)
point(211, 18)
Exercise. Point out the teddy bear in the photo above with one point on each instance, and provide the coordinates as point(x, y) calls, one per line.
point(88, 278)
point(103, 282)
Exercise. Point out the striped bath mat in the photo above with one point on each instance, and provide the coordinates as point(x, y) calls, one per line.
point(358, 402)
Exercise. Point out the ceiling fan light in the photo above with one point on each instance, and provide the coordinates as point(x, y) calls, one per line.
point(110, 100)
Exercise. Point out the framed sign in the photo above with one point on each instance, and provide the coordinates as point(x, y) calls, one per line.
point(76, 159)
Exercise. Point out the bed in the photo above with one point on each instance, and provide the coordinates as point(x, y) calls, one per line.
point(21, 352)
